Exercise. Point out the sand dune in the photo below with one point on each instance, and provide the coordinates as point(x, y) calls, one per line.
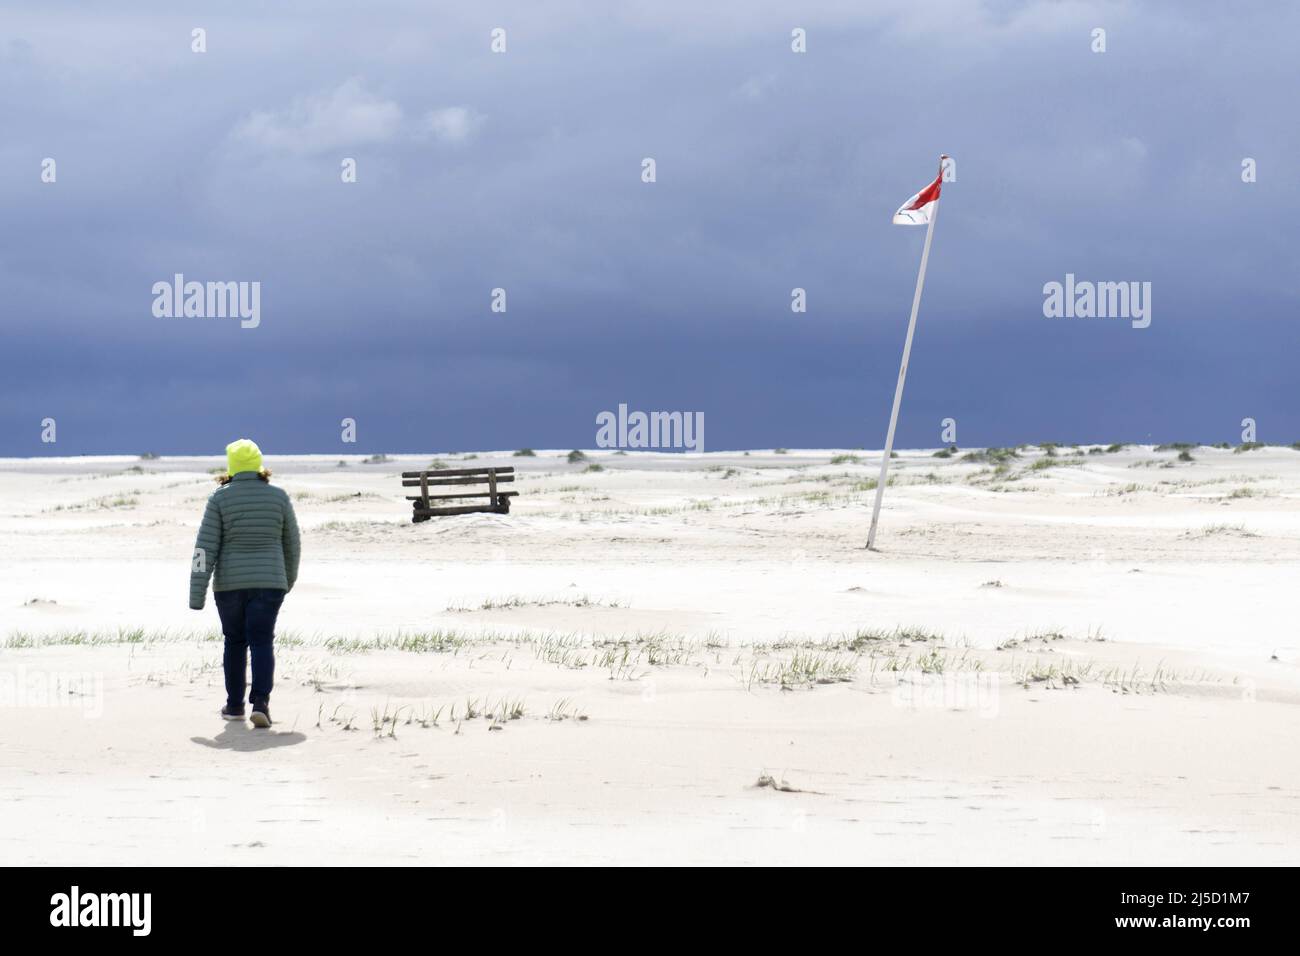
point(1078, 658)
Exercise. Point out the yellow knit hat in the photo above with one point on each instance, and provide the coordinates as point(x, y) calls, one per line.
point(243, 455)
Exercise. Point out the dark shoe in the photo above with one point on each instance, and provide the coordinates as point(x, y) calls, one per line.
point(261, 716)
point(229, 714)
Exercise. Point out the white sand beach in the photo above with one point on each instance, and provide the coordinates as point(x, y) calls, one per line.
point(1083, 657)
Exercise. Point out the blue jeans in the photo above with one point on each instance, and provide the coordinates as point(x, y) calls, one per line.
point(248, 621)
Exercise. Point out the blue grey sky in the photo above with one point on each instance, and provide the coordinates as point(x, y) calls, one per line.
point(522, 170)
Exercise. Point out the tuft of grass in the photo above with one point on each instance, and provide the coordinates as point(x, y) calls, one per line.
point(1129, 489)
point(417, 642)
point(505, 710)
point(866, 638)
point(845, 460)
point(1235, 530)
point(575, 457)
point(1248, 446)
point(565, 709)
point(106, 503)
point(515, 601)
point(994, 456)
point(380, 459)
point(1042, 637)
point(1042, 464)
point(356, 527)
point(594, 466)
point(123, 635)
point(525, 453)
point(385, 719)
point(803, 669)
point(345, 496)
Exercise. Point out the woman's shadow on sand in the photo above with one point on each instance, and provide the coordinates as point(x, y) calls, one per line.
point(241, 737)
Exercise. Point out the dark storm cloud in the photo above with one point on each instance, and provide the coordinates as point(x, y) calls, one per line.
point(521, 171)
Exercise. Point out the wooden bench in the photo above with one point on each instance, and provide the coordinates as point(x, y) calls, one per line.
point(422, 507)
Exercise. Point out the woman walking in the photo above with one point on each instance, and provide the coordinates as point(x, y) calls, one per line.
point(249, 537)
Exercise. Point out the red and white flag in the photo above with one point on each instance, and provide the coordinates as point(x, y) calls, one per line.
point(918, 210)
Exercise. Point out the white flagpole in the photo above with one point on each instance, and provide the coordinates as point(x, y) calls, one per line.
point(902, 374)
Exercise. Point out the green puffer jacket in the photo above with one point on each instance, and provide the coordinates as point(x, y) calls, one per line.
point(249, 537)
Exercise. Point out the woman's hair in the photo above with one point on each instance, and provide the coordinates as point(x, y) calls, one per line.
point(264, 474)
